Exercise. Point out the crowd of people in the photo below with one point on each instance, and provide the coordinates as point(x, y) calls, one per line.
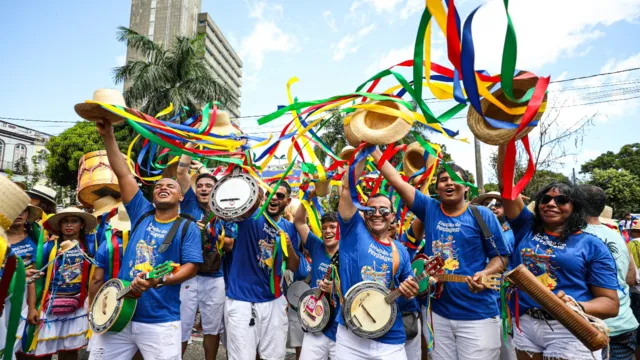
point(226, 270)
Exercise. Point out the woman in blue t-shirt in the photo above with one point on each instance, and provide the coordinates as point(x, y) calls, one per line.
point(551, 244)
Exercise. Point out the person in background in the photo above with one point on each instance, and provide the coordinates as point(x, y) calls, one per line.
point(623, 328)
point(634, 251)
point(44, 198)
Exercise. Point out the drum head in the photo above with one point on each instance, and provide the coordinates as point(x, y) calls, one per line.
point(417, 266)
point(234, 197)
point(295, 291)
point(385, 314)
point(314, 313)
point(105, 307)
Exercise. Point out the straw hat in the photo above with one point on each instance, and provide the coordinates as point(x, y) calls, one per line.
point(478, 200)
point(636, 225)
point(222, 125)
point(105, 204)
point(606, 217)
point(94, 112)
point(21, 185)
point(346, 152)
point(52, 224)
point(322, 187)
point(492, 136)
point(121, 221)
point(44, 193)
point(35, 213)
point(13, 203)
point(413, 159)
point(377, 128)
point(352, 139)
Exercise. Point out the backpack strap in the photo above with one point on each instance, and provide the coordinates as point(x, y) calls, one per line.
point(171, 234)
point(395, 256)
point(144, 216)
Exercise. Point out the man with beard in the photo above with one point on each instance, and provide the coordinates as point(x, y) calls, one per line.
point(205, 291)
point(466, 323)
point(368, 253)
point(155, 327)
point(320, 345)
point(255, 317)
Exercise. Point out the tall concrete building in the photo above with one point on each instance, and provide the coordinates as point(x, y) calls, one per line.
point(222, 59)
point(163, 20)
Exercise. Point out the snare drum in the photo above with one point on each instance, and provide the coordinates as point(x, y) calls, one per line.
point(235, 197)
point(295, 291)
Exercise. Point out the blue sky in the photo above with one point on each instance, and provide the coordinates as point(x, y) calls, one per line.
point(55, 54)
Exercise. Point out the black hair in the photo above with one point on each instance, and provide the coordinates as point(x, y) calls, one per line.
point(378, 195)
point(284, 184)
point(577, 221)
point(596, 199)
point(627, 214)
point(206, 176)
point(463, 174)
point(45, 204)
point(329, 217)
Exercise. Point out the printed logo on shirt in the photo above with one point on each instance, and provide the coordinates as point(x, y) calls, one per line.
point(505, 226)
point(323, 269)
point(71, 270)
point(540, 264)
point(25, 253)
point(146, 252)
point(445, 247)
point(265, 247)
point(378, 272)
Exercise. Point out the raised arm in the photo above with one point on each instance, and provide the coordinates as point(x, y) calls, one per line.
point(182, 173)
point(512, 208)
point(300, 222)
point(346, 209)
point(128, 184)
point(404, 189)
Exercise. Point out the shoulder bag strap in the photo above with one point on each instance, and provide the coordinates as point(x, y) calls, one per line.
point(483, 225)
point(395, 256)
point(171, 234)
point(144, 216)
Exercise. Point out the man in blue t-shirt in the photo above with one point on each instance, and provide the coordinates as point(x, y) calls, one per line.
point(155, 327)
point(255, 312)
point(206, 291)
point(320, 345)
point(367, 253)
point(466, 316)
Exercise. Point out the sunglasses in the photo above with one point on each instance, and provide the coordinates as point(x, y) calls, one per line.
point(382, 210)
point(558, 199)
point(280, 196)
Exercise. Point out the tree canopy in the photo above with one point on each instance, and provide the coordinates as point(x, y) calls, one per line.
point(622, 189)
point(628, 158)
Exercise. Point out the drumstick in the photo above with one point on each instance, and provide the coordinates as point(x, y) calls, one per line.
point(64, 247)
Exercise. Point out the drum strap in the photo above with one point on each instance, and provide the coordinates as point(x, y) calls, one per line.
point(395, 256)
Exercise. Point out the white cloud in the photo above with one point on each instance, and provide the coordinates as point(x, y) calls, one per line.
point(378, 5)
point(331, 22)
point(411, 7)
point(395, 56)
point(348, 44)
point(121, 60)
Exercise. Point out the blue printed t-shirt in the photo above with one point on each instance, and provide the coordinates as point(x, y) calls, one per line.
point(102, 257)
point(26, 250)
point(320, 262)
point(141, 255)
point(405, 305)
point(459, 241)
point(252, 258)
point(67, 277)
point(571, 265)
point(363, 258)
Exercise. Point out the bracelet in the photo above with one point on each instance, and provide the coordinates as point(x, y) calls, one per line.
point(182, 164)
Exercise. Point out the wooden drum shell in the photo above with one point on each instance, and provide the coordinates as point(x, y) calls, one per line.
point(96, 179)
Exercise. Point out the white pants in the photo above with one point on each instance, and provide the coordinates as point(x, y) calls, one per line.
point(267, 335)
point(465, 340)
point(507, 349)
point(155, 341)
point(207, 294)
point(294, 330)
point(413, 347)
point(317, 347)
point(350, 346)
point(535, 336)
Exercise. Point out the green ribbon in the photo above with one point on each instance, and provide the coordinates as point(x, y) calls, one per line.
point(16, 292)
point(39, 231)
point(509, 55)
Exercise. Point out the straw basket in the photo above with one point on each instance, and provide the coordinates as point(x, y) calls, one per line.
point(96, 178)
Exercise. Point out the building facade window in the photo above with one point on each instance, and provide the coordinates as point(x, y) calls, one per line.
point(19, 152)
point(1, 152)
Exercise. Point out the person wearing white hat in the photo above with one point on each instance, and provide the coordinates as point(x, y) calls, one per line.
point(44, 198)
point(158, 235)
point(623, 328)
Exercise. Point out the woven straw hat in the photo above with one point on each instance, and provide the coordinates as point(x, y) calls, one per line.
point(352, 139)
point(35, 213)
point(222, 124)
point(121, 221)
point(95, 112)
point(478, 200)
point(105, 204)
point(346, 152)
point(636, 225)
point(606, 217)
point(44, 193)
point(13, 203)
point(322, 187)
point(52, 224)
point(380, 129)
point(413, 159)
point(490, 135)
point(21, 185)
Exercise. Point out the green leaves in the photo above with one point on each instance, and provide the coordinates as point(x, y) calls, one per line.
point(622, 189)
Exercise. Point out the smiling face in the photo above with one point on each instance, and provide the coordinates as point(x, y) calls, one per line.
point(329, 231)
point(450, 192)
point(378, 223)
point(204, 187)
point(554, 213)
point(279, 202)
point(70, 226)
point(166, 194)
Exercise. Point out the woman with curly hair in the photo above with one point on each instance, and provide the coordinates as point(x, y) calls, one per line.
point(571, 263)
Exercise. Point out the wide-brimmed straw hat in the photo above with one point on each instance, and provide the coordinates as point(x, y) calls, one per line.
point(121, 221)
point(346, 152)
point(606, 217)
point(378, 128)
point(478, 200)
point(35, 213)
point(94, 112)
point(44, 193)
point(52, 224)
point(413, 159)
point(13, 203)
point(105, 204)
point(21, 185)
point(222, 125)
point(490, 135)
point(635, 225)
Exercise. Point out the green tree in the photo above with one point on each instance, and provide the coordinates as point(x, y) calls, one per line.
point(622, 189)
point(66, 149)
point(491, 187)
point(628, 158)
point(177, 75)
point(20, 167)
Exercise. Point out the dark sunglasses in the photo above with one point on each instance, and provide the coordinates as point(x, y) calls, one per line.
point(558, 199)
point(280, 196)
point(372, 211)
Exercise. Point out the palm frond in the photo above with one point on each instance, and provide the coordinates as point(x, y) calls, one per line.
point(139, 42)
